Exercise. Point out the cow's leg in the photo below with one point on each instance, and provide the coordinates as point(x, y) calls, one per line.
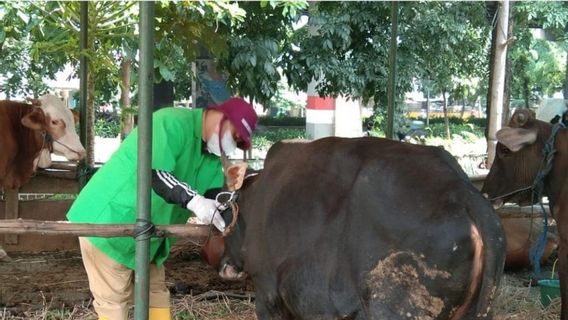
point(563, 263)
point(560, 213)
point(269, 310)
point(563, 276)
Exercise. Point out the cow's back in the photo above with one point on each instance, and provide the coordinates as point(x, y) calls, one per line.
point(345, 217)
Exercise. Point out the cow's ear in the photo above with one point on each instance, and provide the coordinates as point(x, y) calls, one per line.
point(516, 138)
point(235, 175)
point(34, 120)
point(521, 117)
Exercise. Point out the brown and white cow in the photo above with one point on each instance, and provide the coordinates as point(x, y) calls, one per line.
point(29, 132)
point(519, 159)
point(358, 229)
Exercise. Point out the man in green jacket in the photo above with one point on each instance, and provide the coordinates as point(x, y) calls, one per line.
point(186, 149)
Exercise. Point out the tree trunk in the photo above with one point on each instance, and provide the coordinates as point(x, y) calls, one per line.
point(446, 120)
point(527, 91)
point(565, 89)
point(463, 107)
point(498, 79)
point(90, 123)
point(491, 6)
point(127, 116)
point(508, 76)
point(428, 108)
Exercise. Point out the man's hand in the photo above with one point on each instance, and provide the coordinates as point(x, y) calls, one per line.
point(206, 211)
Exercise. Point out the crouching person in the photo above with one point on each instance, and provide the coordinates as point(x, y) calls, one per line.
point(187, 145)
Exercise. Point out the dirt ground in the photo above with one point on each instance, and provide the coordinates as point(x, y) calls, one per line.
point(54, 286)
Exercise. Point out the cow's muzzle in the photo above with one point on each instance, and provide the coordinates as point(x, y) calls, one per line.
point(229, 272)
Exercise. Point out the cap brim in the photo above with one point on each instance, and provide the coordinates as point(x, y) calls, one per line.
point(244, 144)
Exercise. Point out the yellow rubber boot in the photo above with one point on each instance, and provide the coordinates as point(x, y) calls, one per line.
point(159, 314)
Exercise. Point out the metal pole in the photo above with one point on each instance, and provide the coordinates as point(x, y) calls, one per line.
point(144, 174)
point(392, 71)
point(83, 88)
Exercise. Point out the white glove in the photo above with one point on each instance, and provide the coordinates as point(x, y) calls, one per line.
point(206, 210)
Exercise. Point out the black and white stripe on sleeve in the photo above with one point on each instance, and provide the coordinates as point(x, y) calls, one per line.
point(167, 186)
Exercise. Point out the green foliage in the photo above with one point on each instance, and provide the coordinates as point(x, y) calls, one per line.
point(111, 28)
point(23, 75)
point(478, 122)
point(538, 65)
point(107, 127)
point(256, 44)
point(448, 40)
point(265, 139)
point(282, 121)
point(468, 131)
point(186, 30)
point(342, 46)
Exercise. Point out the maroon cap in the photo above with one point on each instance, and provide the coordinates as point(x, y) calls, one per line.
point(242, 116)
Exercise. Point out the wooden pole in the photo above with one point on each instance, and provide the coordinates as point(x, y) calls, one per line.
point(51, 228)
point(12, 206)
point(498, 80)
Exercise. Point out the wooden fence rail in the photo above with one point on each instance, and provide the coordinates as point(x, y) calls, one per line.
point(21, 226)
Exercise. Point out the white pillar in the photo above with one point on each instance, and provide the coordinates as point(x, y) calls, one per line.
point(320, 114)
point(348, 119)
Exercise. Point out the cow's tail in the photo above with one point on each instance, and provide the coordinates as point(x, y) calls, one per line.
point(489, 259)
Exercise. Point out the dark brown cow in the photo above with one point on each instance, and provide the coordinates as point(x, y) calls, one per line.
point(364, 229)
point(29, 132)
point(519, 160)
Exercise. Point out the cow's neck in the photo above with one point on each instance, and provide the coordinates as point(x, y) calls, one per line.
point(558, 177)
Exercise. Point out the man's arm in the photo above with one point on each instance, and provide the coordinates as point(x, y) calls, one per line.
point(167, 186)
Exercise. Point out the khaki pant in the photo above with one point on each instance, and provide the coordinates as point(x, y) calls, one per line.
point(112, 284)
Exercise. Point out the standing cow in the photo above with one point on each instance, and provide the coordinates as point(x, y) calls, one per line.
point(518, 161)
point(29, 132)
point(364, 229)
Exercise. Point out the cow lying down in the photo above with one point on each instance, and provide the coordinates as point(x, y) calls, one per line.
point(363, 229)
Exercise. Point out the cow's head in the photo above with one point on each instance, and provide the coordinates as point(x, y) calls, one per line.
point(52, 116)
point(518, 159)
point(226, 253)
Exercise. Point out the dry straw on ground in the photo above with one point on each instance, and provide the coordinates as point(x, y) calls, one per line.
point(515, 302)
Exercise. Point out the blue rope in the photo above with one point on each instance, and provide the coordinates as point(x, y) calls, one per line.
point(537, 250)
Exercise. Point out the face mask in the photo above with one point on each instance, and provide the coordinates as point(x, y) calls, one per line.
point(228, 143)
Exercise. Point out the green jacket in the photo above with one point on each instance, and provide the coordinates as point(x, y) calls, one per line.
point(110, 196)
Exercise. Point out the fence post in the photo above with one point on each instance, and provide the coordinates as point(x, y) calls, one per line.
point(12, 212)
point(144, 173)
point(83, 166)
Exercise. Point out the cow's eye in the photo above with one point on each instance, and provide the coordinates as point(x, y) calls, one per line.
point(54, 122)
point(504, 150)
